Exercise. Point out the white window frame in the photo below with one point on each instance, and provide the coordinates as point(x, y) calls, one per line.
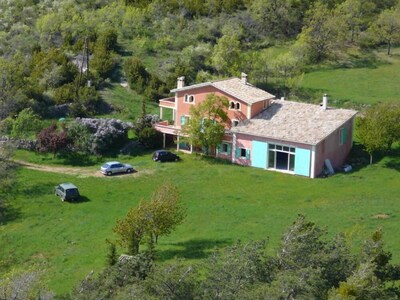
point(187, 98)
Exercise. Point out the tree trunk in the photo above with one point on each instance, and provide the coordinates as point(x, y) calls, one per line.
point(389, 46)
point(370, 159)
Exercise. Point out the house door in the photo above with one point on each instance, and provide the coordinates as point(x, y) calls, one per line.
point(282, 160)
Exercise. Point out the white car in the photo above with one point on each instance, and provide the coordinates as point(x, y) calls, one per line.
point(114, 167)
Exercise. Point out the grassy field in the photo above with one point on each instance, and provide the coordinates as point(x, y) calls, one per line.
point(224, 202)
point(366, 80)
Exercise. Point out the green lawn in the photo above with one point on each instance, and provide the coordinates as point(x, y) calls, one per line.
point(366, 82)
point(225, 203)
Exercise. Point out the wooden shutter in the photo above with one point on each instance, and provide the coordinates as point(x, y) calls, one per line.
point(237, 152)
point(344, 136)
point(183, 120)
point(229, 148)
point(247, 153)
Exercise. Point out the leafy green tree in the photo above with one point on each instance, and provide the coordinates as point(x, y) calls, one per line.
point(287, 70)
point(103, 61)
point(233, 270)
point(357, 14)
point(81, 137)
point(362, 285)
point(323, 34)
point(176, 280)
point(26, 124)
point(386, 28)
point(379, 127)
point(226, 55)
point(206, 126)
point(136, 74)
point(151, 219)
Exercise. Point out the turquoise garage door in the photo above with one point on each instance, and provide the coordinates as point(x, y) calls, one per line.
point(302, 162)
point(259, 155)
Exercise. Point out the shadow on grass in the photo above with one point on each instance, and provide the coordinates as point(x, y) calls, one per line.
point(9, 214)
point(193, 249)
point(394, 159)
point(81, 199)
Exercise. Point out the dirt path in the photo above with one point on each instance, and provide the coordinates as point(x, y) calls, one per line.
point(63, 170)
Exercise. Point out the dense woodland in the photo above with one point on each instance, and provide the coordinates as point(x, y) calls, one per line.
point(150, 43)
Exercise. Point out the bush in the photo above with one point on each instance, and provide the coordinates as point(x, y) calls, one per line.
point(106, 134)
point(150, 138)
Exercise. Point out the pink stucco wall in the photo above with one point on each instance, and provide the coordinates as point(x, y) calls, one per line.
point(331, 149)
point(183, 108)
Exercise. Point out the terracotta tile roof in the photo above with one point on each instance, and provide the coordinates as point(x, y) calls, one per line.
point(234, 87)
point(295, 122)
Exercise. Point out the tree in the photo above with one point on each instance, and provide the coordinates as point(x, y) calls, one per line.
point(136, 74)
point(151, 219)
point(26, 124)
point(232, 270)
point(226, 55)
point(7, 177)
point(379, 127)
point(386, 28)
point(50, 139)
point(324, 33)
point(206, 126)
point(357, 14)
point(287, 70)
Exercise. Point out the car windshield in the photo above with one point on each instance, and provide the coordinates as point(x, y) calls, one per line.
point(72, 192)
point(105, 166)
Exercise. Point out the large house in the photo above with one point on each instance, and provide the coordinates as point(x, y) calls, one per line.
point(264, 132)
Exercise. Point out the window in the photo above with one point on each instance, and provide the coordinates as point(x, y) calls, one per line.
point(242, 153)
point(235, 123)
point(281, 157)
point(184, 120)
point(343, 136)
point(234, 105)
point(188, 98)
point(225, 148)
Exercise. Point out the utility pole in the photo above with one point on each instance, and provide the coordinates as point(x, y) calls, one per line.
point(85, 59)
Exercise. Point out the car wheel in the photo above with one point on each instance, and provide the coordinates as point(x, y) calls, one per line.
point(129, 171)
point(109, 173)
point(176, 158)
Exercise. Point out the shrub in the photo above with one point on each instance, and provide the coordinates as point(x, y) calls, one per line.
point(106, 134)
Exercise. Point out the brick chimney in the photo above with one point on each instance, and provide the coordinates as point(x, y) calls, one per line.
point(244, 78)
point(181, 82)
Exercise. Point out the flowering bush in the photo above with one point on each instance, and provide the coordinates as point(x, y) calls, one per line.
point(106, 134)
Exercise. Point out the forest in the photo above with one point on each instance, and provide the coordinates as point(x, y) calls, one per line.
point(150, 43)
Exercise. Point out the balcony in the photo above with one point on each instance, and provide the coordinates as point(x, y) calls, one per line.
point(167, 102)
point(165, 127)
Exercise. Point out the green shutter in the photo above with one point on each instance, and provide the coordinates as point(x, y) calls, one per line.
point(229, 148)
point(247, 153)
point(344, 136)
point(219, 148)
point(183, 120)
point(237, 152)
